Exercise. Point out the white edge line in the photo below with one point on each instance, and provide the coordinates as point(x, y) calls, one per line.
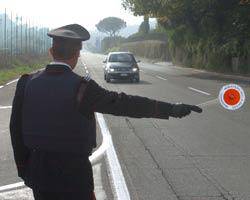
point(5, 107)
point(12, 81)
point(200, 91)
point(118, 180)
point(11, 186)
point(161, 78)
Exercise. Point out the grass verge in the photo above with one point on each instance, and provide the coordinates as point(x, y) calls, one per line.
point(7, 74)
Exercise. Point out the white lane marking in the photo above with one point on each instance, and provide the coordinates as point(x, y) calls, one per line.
point(99, 190)
point(11, 186)
point(1, 86)
point(200, 91)
point(12, 81)
point(5, 107)
point(161, 78)
point(118, 181)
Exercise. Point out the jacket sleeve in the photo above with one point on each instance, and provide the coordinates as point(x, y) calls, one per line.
point(98, 99)
point(21, 152)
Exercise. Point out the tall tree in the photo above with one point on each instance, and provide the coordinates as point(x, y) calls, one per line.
point(144, 27)
point(111, 26)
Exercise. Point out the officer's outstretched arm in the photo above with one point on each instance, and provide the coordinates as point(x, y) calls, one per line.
point(97, 99)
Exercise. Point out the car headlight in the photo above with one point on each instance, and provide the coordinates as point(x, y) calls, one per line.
point(135, 69)
point(112, 70)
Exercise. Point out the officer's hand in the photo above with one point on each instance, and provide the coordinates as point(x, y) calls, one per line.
point(182, 110)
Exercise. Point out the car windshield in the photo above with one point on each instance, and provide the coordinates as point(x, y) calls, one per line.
point(121, 58)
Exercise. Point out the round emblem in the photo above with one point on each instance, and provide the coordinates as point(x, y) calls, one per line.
point(232, 96)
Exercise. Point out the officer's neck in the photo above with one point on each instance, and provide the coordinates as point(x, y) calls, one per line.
point(69, 62)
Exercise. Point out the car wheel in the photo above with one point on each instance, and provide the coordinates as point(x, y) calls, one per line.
point(137, 79)
point(107, 79)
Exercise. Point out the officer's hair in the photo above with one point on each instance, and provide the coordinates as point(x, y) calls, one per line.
point(64, 48)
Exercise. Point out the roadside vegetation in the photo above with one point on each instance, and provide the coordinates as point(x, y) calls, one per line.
point(205, 34)
point(23, 46)
point(22, 65)
point(212, 35)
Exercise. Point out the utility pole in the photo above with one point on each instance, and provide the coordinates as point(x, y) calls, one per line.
point(26, 37)
point(16, 35)
point(5, 40)
point(21, 36)
point(11, 27)
point(29, 37)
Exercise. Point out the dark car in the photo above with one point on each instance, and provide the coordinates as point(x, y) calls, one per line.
point(121, 65)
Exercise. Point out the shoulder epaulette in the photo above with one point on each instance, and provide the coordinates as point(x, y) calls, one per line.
point(87, 77)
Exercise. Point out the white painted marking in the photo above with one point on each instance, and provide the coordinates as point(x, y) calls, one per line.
point(161, 78)
point(5, 107)
point(200, 91)
point(11, 186)
point(1, 86)
point(12, 81)
point(99, 191)
point(106, 142)
point(119, 185)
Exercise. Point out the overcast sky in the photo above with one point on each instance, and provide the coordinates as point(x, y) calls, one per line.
point(55, 13)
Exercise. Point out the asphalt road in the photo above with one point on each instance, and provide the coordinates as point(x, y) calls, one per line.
point(202, 157)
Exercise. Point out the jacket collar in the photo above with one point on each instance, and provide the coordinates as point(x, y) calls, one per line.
point(60, 63)
point(58, 67)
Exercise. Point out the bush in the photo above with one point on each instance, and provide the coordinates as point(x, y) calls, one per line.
point(110, 42)
point(152, 49)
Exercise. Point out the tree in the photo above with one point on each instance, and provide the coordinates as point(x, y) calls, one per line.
point(144, 27)
point(201, 26)
point(111, 26)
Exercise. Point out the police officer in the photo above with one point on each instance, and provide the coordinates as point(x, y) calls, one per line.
point(52, 123)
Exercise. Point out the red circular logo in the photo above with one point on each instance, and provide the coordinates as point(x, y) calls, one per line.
point(232, 97)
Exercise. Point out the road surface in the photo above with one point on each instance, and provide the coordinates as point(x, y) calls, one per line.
point(202, 157)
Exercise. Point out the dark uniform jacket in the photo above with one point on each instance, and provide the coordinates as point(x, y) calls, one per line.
point(47, 170)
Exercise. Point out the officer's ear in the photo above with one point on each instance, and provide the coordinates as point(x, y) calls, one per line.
point(51, 52)
point(77, 55)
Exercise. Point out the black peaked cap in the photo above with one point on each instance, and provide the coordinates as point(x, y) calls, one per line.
point(71, 31)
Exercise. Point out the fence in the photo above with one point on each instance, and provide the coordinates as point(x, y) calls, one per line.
point(20, 37)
